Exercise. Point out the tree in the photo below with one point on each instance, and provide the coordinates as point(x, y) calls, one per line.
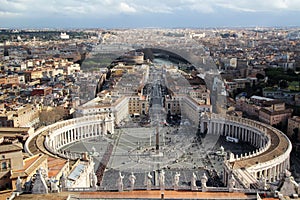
point(52, 115)
point(283, 84)
point(260, 76)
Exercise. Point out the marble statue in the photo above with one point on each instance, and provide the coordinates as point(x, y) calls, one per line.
point(193, 182)
point(222, 150)
point(120, 182)
point(176, 180)
point(62, 181)
point(95, 180)
point(289, 186)
point(162, 178)
point(53, 185)
point(132, 179)
point(149, 181)
point(262, 183)
point(19, 184)
point(231, 183)
point(203, 182)
point(40, 185)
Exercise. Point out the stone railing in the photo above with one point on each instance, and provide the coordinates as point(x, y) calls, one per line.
point(66, 127)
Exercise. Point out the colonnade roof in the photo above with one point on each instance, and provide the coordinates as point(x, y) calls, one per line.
point(279, 144)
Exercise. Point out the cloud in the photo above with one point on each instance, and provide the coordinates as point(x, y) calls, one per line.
point(260, 6)
point(8, 14)
point(124, 7)
point(114, 9)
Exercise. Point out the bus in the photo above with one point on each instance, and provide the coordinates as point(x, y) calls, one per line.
point(232, 139)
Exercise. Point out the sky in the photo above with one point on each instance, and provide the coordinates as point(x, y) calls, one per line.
point(148, 13)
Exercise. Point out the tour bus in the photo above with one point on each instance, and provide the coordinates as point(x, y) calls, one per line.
point(232, 139)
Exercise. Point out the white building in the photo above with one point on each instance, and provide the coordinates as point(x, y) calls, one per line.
point(64, 36)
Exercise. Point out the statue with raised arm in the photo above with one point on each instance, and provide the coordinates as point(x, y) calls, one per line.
point(193, 182)
point(132, 179)
point(120, 182)
point(176, 180)
point(149, 181)
point(203, 182)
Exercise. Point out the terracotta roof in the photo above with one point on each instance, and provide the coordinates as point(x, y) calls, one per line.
point(55, 165)
point(30, 164)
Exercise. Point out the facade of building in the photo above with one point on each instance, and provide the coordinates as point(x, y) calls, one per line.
point(29, 167)
point(172, 105)
point(293, 128)
point(274, 117)
point(20, 133)
point(44, 91)
point(10, 158)
point(138, 104)
point(22, 116)
point(269, 111)
point(192, 109)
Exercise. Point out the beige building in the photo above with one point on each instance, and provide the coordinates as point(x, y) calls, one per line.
point(116, 105)
point(10, 158)
point(274, 113)
point(293, 126)
point(249, 108)
point(268, 110)
point(14, 80)
point(71, 69)
point(28, 169)
point(138, 104)
point(172, 105)
point(192, 109)
point(19, 116)
point(20, 133)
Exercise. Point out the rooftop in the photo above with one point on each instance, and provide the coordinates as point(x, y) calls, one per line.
point(279, 144)
point(55, 165)
point(30, 164)
point(153, 194)
point(11, 147)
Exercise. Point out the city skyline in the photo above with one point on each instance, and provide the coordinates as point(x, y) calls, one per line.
point(140, 14)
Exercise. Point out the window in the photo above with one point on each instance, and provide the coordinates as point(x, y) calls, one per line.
point(4, 165)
